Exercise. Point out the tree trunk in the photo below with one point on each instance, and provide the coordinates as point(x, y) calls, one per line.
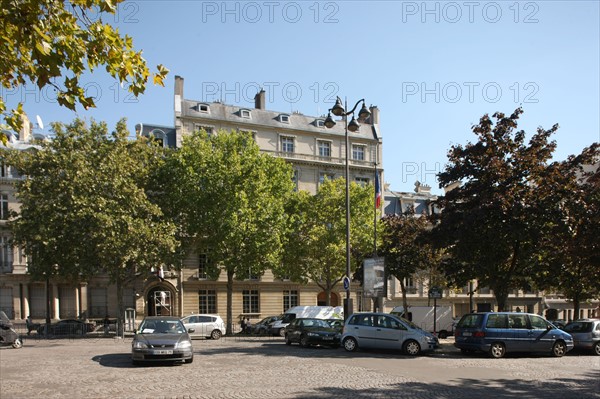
point(576, 307)
point(404, 298)
point(120, 307)
point(501, 295)
point(229, 328)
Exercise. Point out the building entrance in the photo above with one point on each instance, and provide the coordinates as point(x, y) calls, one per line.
point(159, 302)
point(322, 299)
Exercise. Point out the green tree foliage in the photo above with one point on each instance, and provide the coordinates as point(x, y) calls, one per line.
point(316, 241)
point(407, 254)
point(228, 198)
point(569, 251)
point(53, 42)
point(84, 209)
point(490, 223)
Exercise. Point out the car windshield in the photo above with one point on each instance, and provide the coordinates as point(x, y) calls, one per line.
point(316, 323)
point(470, 321)
point(161, 327)
point(578, 327)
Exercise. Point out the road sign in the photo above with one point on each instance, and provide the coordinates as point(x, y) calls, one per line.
point(346, 283)
point(435, 293)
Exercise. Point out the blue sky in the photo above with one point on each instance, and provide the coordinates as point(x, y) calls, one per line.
point(433, 68)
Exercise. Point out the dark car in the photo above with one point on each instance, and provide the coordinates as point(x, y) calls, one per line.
point(162, 339)
point(502, 332)
point(338, 324)
point(586, 334)
point(263, 327)
point(69, 327)
point(309, 332)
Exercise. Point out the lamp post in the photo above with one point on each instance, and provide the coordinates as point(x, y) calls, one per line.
point(340, 110)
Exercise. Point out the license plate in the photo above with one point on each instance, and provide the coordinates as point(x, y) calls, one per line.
point(162, 352)
point(467, 334)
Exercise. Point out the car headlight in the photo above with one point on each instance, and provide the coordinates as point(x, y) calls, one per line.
point(184, 345)
point(139, 345)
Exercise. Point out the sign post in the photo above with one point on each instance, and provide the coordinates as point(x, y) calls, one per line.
point(435, 293)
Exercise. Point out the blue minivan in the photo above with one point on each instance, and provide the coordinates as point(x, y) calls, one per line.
point(497, 333)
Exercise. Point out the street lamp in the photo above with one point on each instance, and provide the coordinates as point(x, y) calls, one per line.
point(340, 110)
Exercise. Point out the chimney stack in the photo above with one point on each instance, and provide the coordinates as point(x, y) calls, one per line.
point(179, 86)
point(374, 115)
point(260, 100)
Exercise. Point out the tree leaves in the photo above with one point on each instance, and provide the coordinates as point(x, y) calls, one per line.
point(44, 40)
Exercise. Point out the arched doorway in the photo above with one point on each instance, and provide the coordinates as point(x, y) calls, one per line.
point(160, 302)
point(322, 299)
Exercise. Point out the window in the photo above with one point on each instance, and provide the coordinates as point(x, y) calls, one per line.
point(202, 266)
point(358, 152)
point(207, 301)
point(202, 107)
point(250, 132)
point(324, 148)
point(245, 113)
point(537, 322)
point(208, 129)
point(284, 118)
point(3, 206)
point(362, 181)
point(98, 302)
point(159, 137)
point(251, 301)
point(6, 255)
point(290, 299)
point(496, 321)
point(4, 170)
point(295, 179)
point(287, 144)
point(518, 321)
point(320, 123)
point(323, 176)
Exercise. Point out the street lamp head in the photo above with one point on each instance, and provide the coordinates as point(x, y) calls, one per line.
point(329, 122)
point(364, 113)
point(338, 108)
point(353, 125)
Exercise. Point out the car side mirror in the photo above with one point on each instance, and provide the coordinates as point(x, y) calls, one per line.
point(549, 327)
point(191, 330)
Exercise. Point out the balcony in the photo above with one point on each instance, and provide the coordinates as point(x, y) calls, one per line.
point(317, 159)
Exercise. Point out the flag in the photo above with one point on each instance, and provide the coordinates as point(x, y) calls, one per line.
point(377, 191)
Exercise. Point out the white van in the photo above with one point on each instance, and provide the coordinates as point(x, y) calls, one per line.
point(423, 317)
point(300, 312)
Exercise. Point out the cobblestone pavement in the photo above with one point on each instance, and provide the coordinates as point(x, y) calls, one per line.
point(264, 367)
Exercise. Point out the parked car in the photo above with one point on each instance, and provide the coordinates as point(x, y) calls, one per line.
point(70, 327)
point(559, 323)
point(162, 339)
point(386, 331)
point(309, 332)
point(586, 334)
point(263, 327)
point(503, 332)
point(205, 325)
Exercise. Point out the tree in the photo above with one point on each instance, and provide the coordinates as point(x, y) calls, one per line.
point(406, 253)
point(45, 41)
point(228, 199)
point(84, 209)
point(316, 244)
point(569, 251)
point(490, 223)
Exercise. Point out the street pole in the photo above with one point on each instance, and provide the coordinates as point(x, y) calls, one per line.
point(348, 301)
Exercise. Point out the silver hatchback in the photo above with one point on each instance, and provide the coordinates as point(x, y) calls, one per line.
point(386, 331)
point(586, 334)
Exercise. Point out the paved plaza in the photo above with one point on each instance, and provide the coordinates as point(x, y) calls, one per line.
point(264, 367)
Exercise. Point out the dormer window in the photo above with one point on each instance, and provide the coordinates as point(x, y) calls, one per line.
point(245, 113)
point(284, 118)
point(202, 107)
point(319, 123)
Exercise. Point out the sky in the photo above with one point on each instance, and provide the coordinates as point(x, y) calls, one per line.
point(433, 68)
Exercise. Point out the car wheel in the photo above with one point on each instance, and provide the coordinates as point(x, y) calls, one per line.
point(304, 341)
point(596, 348)
point(412, 348)
point(350, 344)
point(443, 334)
point(216, 334)
point(288, 341)
point(282, 332)
point(559, 349)
point(190, 360)
point(497, 350)
point(17, 343)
